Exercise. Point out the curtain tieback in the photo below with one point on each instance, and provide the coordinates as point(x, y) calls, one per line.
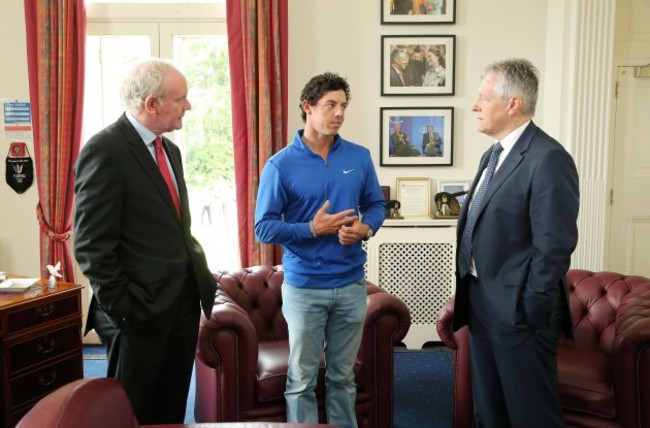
point(45, 228)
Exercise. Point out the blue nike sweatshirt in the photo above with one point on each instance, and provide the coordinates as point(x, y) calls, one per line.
point(294, 185)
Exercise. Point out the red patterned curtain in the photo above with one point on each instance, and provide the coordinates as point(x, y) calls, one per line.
point(56, 40)
point(257, 40)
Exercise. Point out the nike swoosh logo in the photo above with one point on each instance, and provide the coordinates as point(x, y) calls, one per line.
point(347, 171)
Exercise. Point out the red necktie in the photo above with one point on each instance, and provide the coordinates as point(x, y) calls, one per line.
point(164, 170)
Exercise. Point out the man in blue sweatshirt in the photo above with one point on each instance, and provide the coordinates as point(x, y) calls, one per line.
point(319, 197)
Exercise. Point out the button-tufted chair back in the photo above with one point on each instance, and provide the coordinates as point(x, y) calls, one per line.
point(258, 291)
point(595, 298)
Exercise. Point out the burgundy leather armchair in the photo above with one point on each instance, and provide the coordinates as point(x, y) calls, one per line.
point(242, 353)
point(604, 376)
point(102, 403)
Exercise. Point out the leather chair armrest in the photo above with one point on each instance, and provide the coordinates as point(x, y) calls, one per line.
point(445, 325)
point(228, 330)
point(227, 343)
point(387, 317)
point(458, 341)
point(89, 402)
point(381, 302)
point(631, 358)
point(387, 322)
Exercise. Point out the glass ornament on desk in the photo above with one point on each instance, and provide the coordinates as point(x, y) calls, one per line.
point(54, 274)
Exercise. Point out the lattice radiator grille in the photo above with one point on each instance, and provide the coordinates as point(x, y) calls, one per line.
point(421, 274)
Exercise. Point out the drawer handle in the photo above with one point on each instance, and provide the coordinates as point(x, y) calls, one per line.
point(46, 345)
point(47, 382)
point(45, 310)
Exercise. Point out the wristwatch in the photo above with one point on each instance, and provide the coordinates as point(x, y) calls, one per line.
point(369, 234)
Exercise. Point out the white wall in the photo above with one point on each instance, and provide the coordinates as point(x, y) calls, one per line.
point(344, 36)
point(18, 224)
point(341, 36)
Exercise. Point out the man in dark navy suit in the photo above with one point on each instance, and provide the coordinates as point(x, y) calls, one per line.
point(515, 240)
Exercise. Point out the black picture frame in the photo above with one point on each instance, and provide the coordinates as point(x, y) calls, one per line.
point(418, 65)
point(418, 12)
point(416, 148)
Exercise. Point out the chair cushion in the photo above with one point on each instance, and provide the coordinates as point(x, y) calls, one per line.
point(272, 367)
point(272, 370)
point(585, 383)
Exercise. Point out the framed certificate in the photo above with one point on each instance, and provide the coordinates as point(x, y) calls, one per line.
point(414, 195)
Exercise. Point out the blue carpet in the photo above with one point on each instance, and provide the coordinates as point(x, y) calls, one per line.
point(423, 386)
point(95, 366)
point(422, 394)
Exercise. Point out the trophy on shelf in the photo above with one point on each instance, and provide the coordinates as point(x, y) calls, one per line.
point(392, 205)
point(447, 206)
point(392, 209)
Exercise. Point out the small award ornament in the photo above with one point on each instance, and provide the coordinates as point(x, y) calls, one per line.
point(54, 274)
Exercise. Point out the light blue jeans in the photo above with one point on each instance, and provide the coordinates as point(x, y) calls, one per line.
point(329, 320)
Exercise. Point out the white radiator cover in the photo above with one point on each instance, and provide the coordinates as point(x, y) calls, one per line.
point(415, 260)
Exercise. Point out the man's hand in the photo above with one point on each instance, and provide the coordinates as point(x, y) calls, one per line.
point(349, 234)
point(329, 224)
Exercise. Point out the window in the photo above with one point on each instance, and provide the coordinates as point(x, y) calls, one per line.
point(155, 1)
point(194, 37)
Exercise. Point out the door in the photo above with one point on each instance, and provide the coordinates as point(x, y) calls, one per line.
point(629, 248)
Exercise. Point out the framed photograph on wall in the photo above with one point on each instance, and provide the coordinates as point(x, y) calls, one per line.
point(416, 136)
point(450, 197)
point(414, 195)
point(454, 186)
point(418, 11)
point(418, 65)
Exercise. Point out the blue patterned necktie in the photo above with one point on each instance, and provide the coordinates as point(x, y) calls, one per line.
point(465, 251)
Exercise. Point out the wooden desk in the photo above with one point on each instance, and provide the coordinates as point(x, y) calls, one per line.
point(40, 346)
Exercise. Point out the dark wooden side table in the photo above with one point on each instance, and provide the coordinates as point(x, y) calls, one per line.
point(40, 346)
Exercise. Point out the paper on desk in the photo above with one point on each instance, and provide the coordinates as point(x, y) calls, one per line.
point(17, 285)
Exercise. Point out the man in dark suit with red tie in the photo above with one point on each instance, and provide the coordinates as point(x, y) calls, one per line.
point(516, 233)
point(148, 274)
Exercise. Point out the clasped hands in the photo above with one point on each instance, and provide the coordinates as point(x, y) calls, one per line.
point(347, 225)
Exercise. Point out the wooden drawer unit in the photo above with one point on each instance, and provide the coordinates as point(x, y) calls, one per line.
point(40, 349)
point(39, 313)
point(46, 346)
point(36, 384)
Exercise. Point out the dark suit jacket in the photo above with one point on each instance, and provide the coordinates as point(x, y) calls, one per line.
point(437, 142)
point(402, 7)
point(128, 239)
point(394, 78)
point(525, 234)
